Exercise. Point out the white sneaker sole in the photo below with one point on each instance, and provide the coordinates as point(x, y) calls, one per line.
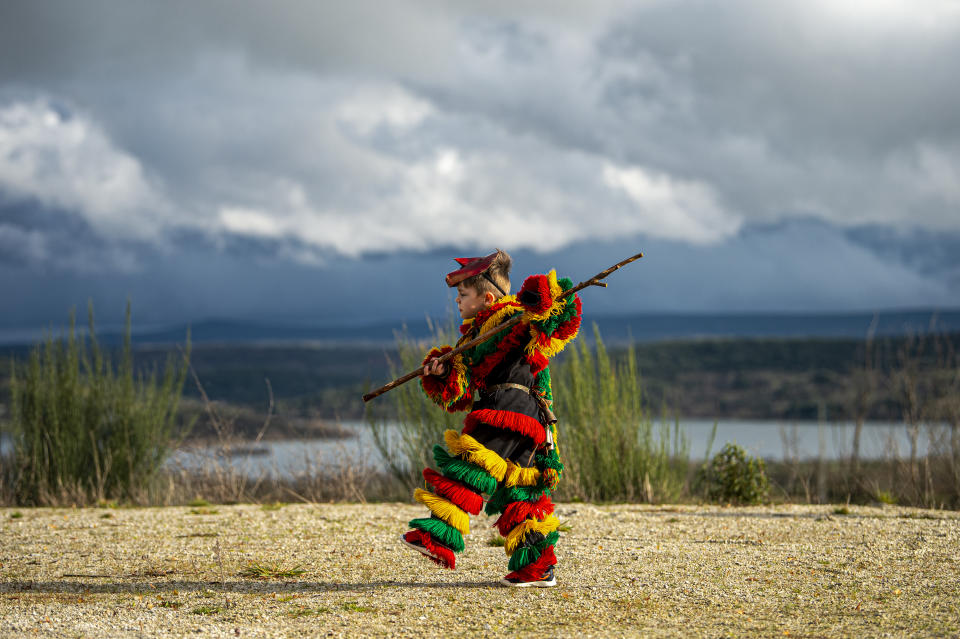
point(529, 584)
point(420, 549)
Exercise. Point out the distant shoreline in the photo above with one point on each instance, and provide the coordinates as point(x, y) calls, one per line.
point(639, 327)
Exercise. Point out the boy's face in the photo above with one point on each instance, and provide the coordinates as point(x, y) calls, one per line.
point(470, 301)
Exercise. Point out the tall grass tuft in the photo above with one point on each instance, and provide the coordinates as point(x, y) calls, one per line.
point(406, 424)
point(85, 427)
point(607, 438)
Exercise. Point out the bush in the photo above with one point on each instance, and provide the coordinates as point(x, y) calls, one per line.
point(606, 437)
point(733, 476)
point(406, 424)
point(84, 429)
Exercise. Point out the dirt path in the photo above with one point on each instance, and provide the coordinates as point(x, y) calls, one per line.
point(625, 570)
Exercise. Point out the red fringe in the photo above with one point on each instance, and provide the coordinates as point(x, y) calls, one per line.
point(455, 491)
point(446, 388)
point(444, 556)
point(464, 403)
point(509, 420)
point(534, 570)
point(540, 286)
point(520, 511)
point(537, 362)
point(572, 325)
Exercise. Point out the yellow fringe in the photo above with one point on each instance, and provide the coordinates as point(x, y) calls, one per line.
point(555, 346)
point(445, 510)
point(502, 314)
point(520, 476)
point(515, 536)
point(475, 452)
point(461, 371)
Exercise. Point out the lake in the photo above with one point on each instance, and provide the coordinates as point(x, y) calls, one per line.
point(771, 440)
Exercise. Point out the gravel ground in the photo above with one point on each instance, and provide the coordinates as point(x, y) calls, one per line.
point(625, 570)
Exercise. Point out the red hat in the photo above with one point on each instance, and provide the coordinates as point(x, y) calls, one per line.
point(472, 266)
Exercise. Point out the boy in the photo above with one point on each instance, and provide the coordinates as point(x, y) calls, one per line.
point(506, 448)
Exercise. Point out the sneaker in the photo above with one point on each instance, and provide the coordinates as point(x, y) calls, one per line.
point(439, 554)
point(548, 580)
point(420, 548)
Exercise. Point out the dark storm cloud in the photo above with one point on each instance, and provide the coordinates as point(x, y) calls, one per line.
point(301, 136)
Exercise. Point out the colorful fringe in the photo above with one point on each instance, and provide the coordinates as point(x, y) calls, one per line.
point(452, 392)
point(549, 323)
point(530, 533)
point(519, 511)
point(445, 510)
point(441, 531)
point(475, 469)
point(520, 475)
point(457, 492)
point(443, 555)
point(515, 536)
point(473, 451)
point(535, 569)
point(528, 554)
point(508, 420)
point(527, 522)
point(455, 468)
point(519, 494)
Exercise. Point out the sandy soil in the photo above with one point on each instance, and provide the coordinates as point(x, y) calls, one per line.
point(625, 570)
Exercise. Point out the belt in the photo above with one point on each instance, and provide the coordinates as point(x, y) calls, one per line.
point(546, 415)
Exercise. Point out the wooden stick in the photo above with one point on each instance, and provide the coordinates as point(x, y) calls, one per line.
point(479, 339)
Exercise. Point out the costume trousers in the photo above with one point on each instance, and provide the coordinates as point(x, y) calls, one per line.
point(505, 465)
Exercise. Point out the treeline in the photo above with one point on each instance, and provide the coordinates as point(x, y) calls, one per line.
point(789, 379)
point(88, 424)
point(782, 379)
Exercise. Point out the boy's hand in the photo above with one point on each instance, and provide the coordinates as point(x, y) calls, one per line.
point(435, 367)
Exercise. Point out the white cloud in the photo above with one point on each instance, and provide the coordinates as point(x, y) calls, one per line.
point(670, 208)
point(372, 106)
point(930, 171)
point(525, 126)
point(64, 160)
point(244, 221)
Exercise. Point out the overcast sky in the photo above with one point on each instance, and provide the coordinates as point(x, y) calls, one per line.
point(194, 150)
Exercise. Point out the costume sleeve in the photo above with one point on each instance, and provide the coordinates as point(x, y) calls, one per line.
point(453, 392)
point(554, 321)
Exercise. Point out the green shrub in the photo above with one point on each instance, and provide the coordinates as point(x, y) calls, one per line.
point(85, 429)
point(405, 423)
point(609, 444)
point(734, 476)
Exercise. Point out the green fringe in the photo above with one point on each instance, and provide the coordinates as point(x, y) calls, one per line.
point(542, 383)
point(505, 496)
point(470, 474)
point(549, 325)
point(526, 555)
point(441, 531)
point(523, 556)
point(550, 461)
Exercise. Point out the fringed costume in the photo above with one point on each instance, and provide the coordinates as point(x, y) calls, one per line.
point(507, 448)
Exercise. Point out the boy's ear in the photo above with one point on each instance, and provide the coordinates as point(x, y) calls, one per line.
point(489, 298)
